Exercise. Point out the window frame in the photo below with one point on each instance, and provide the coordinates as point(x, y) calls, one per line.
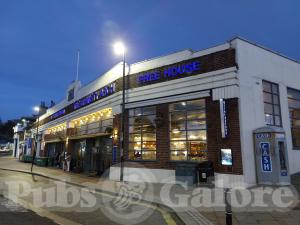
point(141, 133)
point(272, 93)
point(292, 118)
point(187, 140)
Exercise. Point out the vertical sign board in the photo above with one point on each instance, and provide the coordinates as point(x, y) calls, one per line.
point(224, 119)
point(114, 154)
point(266, 163)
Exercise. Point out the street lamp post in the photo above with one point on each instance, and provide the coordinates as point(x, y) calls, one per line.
point(120, 50)
point(37, 109)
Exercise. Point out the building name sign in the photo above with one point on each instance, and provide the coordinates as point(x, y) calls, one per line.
point(58, 114)
point(94, 96)
point(89, 99)
point(174, 71)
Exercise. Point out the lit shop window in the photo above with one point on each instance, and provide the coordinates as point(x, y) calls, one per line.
point(142, 133)
point(294, 108)
point(271, 104)
point(188, 130)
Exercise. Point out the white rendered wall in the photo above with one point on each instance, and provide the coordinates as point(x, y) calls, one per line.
point(257, 64)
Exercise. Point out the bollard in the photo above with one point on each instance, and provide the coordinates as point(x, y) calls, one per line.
point(228, 210)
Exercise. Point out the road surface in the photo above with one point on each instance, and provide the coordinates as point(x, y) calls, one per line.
point(45, 201)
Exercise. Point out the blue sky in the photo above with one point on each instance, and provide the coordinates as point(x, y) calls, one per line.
point(39, 38)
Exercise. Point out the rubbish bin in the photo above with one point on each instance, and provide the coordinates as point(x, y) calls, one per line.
point(27, 158)
point(205, 170)
point(187, 172)
point(50, 161)
point(41, 161)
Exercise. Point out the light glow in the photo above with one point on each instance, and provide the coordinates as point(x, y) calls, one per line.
point(119, 48)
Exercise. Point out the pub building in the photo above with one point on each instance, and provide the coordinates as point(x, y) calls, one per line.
point(185, 107)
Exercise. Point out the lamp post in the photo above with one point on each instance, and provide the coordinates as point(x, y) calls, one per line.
point(120, 49)
point(36, 109)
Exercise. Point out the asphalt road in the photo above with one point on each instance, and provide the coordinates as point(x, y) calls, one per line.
point(49, 203)
point(14, 214)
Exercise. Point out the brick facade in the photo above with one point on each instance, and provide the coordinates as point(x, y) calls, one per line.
point(214, 140)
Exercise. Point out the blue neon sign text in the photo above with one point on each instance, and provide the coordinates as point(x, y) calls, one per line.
point(96, 95)
point(169, 72)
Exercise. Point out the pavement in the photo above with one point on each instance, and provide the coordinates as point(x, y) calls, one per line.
point(192, 212)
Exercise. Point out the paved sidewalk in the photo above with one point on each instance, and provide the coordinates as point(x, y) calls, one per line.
point(189, 214)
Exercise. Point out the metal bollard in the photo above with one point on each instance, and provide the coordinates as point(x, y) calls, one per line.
point(228, 210)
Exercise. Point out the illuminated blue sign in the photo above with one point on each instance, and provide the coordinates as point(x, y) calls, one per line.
point(266, 162)
point(96, 95)
point(170, 72)
point(224, 118)
point(58, 114)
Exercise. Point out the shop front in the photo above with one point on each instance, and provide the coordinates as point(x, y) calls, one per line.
point(91, 155)
point(186, 108)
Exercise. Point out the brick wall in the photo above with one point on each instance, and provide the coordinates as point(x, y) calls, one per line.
point(214, 136)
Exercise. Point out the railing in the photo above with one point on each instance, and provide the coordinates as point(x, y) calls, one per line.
point(57, 135)
point(102, 126)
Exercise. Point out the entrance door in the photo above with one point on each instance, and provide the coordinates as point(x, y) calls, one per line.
point(104, 160)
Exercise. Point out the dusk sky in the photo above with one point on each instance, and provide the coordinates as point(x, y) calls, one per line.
point(39, 38)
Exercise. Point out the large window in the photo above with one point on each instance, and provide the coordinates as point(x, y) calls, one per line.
point(188, 130)
point(294, 108)
point(142, 133)
point(271, 104)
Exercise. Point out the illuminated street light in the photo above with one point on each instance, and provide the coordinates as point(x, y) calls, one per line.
point(36, 109)
point(120, 49)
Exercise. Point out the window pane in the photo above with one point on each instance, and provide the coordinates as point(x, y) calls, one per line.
point(177, 125)
point(135, 121)
point(178, 155)
point(178, 116)
point(294, 103)
point(268, 108)
point(149, 146)
point(149, 155)
point(149, 110)
point(198, 155)
point(266, 86)
point(197, 135)
point(267, 97)
point(178, 135)
point(178, 145)
point(137, 155)
point(277, 121)
point(197, 145)
point(135, 137)
point(135, 146)
point(135, 129)
point(148, 128)
point(276, 110)
point(275, 88)
point(295, 94)
point(178, 106)
point(149, 137)
point(192, 115)
point(195, 104)
point(135, 112)
point(276, 99)
point(296, 133)
point(196, 124)
point(296, 143)
point(269, 119)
